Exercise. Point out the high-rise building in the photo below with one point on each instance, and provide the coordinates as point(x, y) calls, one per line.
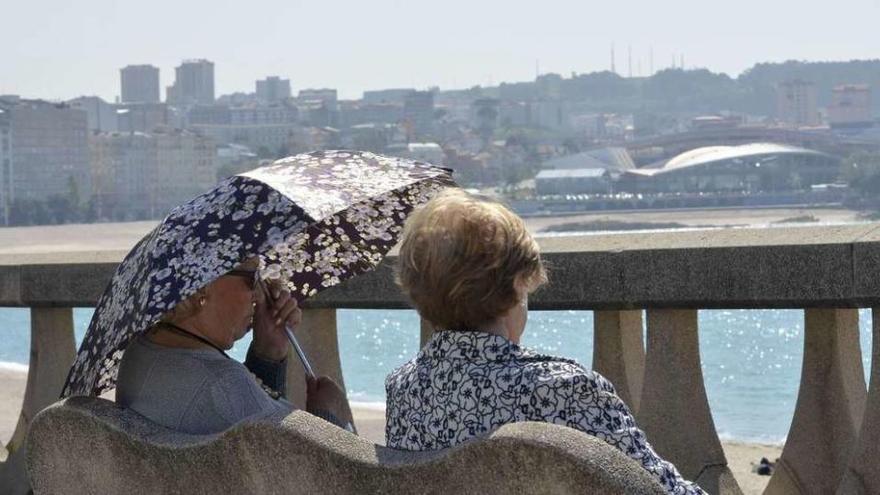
point(140, 84)
point(265, 127)
point(319, 107)
point(418, 114)
point(281, 113)
point(141, 175)
point(551, 114)
point(851, 106)
point(142, 117)
point(193, 83)
point(186, 166)
point(796, 103)
point(124, 181)
point(273, 89)
point(47, 150)
point(237, 99)
point(6, 196)
point(101, 115)
point(326, 96)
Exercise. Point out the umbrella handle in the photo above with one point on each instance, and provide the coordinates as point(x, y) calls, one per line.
point(307, 366)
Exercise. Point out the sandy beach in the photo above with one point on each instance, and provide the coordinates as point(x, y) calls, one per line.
point(12, 385)
point(718, 217)
point(122, 236)
point(370, 422)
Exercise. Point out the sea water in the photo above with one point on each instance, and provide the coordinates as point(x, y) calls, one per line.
point(751, 359)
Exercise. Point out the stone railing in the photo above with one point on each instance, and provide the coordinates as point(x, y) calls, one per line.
point(829, 272)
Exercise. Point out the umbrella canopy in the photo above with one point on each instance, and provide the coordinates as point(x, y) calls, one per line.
point(313, 219)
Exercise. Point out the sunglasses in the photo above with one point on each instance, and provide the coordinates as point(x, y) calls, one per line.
point(252, 276)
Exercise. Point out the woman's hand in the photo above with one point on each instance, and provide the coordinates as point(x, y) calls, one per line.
point(270, 316)
point(323, 394)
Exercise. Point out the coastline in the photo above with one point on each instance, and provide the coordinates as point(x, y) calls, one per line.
point(700, 218)
point(370, 421)
point(122, 236)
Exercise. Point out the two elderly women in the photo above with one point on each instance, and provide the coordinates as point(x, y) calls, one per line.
point(468, 266)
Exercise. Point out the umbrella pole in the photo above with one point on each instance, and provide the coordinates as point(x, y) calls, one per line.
point(307, 366)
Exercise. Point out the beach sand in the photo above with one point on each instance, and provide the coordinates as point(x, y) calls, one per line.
point(740, 217)
point(370, 422)
point(740, 458)
point(12, 385)
point(123, 236)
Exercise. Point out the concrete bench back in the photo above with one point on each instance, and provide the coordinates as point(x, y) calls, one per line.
point(90, 445)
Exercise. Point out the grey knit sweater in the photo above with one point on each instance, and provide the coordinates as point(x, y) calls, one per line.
point(196, 391)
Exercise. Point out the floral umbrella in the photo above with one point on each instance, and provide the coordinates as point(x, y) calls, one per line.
point(313, 219)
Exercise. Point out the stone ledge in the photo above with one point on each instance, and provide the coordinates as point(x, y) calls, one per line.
point(795, 267)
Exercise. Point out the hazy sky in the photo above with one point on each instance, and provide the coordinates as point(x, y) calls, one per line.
point(60, 49)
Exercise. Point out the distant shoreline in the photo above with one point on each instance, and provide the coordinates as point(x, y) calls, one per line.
point(123, 236)
point(616, 221)
point(13, 367)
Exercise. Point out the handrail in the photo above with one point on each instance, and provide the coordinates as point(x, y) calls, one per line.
point(792, 267)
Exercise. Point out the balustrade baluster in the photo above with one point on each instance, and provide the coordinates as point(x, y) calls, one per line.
point(619, 352)
point(674, 409)
point(53, 350)
point(863, 474)
point(829, 407)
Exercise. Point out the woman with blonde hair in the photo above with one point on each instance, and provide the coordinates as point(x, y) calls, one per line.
point(468, 265)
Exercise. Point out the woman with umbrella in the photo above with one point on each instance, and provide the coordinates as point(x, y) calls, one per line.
point(178, 373)
point(199, 281)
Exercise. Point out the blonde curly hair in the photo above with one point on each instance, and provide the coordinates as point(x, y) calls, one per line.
point(464, 259)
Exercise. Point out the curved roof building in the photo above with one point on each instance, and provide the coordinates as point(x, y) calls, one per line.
point(749, 167)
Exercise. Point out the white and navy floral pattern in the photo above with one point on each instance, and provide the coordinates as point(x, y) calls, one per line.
point(467, 384)
point(314, 219)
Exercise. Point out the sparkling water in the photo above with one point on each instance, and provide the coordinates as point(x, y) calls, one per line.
point(751, 359)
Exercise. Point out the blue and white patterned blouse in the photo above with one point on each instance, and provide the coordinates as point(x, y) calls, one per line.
point(466, 384)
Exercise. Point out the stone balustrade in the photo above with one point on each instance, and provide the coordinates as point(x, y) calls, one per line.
point(828, 272)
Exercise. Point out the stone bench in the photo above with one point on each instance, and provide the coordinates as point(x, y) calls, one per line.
point(89, 445)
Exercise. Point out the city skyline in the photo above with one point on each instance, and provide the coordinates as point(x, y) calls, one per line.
point(381, 45)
